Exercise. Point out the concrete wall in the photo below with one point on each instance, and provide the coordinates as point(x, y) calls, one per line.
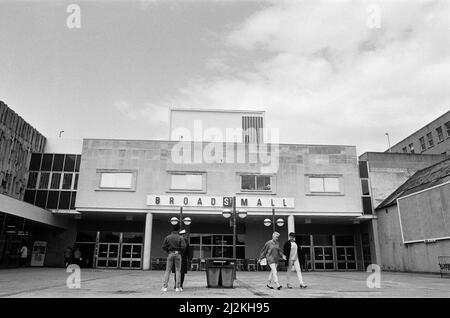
point(152, 162)
point(439, 147)
point(396, 256)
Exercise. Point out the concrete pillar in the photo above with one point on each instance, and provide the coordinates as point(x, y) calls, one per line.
point(147, 241)
point(291, 224)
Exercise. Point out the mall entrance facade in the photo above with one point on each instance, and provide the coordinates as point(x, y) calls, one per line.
point(119, 244)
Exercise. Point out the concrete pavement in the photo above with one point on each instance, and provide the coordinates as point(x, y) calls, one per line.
point(51, 282)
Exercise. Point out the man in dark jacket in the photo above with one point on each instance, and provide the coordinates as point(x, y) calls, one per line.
point(293, 257)
point(184, 258)
point(174, 245)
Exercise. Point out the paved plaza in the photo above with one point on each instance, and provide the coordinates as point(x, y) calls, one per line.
point(51, 282)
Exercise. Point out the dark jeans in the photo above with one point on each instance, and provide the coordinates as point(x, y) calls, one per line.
point(182, 280)
point(173, 258)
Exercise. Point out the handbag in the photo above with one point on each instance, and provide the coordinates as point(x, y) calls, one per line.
point(263, 262)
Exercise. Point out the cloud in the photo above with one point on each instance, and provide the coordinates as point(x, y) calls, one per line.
point(147, 112)
point(324, 76)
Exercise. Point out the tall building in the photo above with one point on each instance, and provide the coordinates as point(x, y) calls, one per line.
point(433, 138)
point(18, 140)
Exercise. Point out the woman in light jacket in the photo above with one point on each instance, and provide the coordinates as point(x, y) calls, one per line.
point(272, 253)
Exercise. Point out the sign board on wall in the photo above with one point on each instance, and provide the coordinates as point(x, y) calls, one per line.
point(38, 253)
point(220, 201)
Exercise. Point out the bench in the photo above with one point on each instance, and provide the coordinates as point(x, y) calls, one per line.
point(444, 265)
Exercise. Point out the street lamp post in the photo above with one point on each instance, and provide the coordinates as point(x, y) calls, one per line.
point(227, 213)
point(268, 222)
point(186, 221)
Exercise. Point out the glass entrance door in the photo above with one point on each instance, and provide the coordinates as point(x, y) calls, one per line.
point(346, 257)
point(131, 256)
point(107, 255)
point(323, 257)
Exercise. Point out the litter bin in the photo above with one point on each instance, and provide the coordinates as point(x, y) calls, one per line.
point(220, 272)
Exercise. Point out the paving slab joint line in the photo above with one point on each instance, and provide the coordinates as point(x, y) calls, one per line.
point(254, 291)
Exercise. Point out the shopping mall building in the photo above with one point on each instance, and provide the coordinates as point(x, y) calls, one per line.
point(116, 197)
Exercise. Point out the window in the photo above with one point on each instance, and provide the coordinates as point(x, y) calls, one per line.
point(47, 160)
point(58, 162)
point(447, 127)
point(32, 180)
point(35, 163)
point(56, 180)
point(69, 163)
point(411, 148)
point(363, 170)
point(186, 182)
point(324, 184)
point(405, 150)
point(440, 134)
point(75, 182)
point(365, 187)
point(255, 183)
point(367, 205)
point(116, 180)
point(423, 146)
point(67, 181)
point(43, 180)
point(430, 140)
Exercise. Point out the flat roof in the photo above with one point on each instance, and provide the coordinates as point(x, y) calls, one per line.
point(214, 110)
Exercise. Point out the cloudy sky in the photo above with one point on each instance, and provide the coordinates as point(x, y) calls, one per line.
point(326, 72)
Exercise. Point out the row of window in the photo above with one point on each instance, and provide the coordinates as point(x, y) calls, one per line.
point(55, 200)
point(365, 187)
point(55, 162)
point(427, 141)
point(52, 180)
point(196, 182)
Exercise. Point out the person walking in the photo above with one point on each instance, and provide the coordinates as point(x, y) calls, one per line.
point(23, 256)
point(174, 244)
point(272, 253)
point(184, 259)
point(293, 257)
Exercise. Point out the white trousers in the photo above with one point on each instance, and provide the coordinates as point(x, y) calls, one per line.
point(296, 265)
point(273, 276)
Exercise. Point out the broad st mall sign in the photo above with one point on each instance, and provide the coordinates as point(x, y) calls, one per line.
point(220, 201)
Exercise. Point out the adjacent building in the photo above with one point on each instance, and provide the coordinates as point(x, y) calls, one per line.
point(18, 140)
point(22, 223)
point(381, 174)
point(414, 221)
point(433, 138)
